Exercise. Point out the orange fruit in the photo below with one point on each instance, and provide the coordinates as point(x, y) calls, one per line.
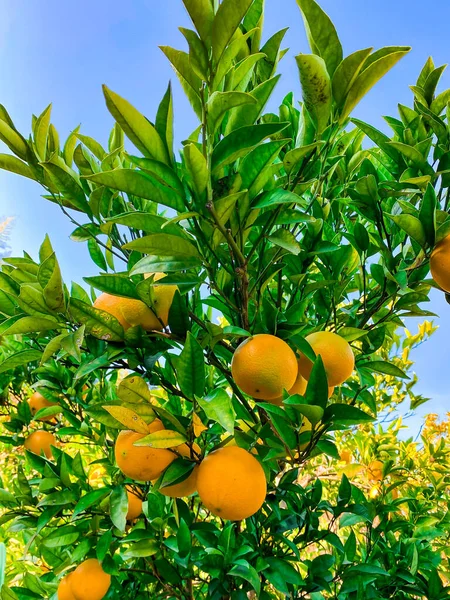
point(299, 388)
point(134, 504)
point(65, 589)
point(141, 463)
point(89, 581)
point(263, 366)
point(231, 483)
point(375, 470)
point(440, 264)
point(336, 353)
point(346, 456)
point(40, 441)
point(112, 305)
point(36, 402)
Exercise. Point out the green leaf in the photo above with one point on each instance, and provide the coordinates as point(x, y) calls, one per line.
point(225, 23)
point(98, 322)
point(369, 77)
point(54, 288)
point(176, 472)
point(13, 140)
point(322, 36)
point(378, 137)
point(247, 573)
point(41, 132)
point(352, 333)
point(277, 196)
point(92, 145)
point(346, 74)
point(96, 254)
point(118, 507)
point(202, 15)
point(252, 169)
point(63, 536)
point(316, 89)
point(344, 413)
point(67, 185)
point(165, 264)
point(30, 325)
point(113, 284)
point(142, 549)
point(440, 102)
point(411, 153)
point(164, 120)
point(431, 82)
point(219, 408)
point(140, 184)
point(381, 366)
point(136, 127)
point(285, 239)
point(246, 115)
point(241, 141)
point(293, 157)
point(15, 165)
point(190, 82)
point(220, 103)
point(411, 226)
point(19, 359)
point(89, 499)
point(317, 388)
point(162, 244)
point(165, 438)
point(2, 563)
point(427, 215)
point(159, 171)
point(146, 222)
point(197, 167)
point(72, 343)
point(361, 237)
point(190, 367)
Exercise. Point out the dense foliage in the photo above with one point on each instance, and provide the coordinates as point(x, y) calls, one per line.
point(283, 224)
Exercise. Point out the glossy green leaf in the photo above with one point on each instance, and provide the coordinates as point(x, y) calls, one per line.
point(138, 183)
point(92, 145)
point(247, 573)
point(30, 325)
point(146, 222)
point(293, 157)
point(226, 21)
point(344, 413)
point(386, 368)
point(322, 36)
point(220, 103)
point(15, 165)
point(286, 240)
point(118, 507)
point(190, 368)
point(67, 185)
point(113, 284)
point(241, 141)
point(164, 120)
point(161, 244)
point(369, 77)
point(276, 196)
point(346, 74)
point(411, 226)
point(427, 214)
point(197, 167)
point(19, 359)
point(219, 408)
point(248, 113)
point(136, 127)
point(15, 142)
point(190, 82)
point(202, 15)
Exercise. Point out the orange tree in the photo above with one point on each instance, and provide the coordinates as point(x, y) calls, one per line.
point(250, 294)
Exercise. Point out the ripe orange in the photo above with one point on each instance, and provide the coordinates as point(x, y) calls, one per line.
point(134, 504)
point(231, 483)
point(263, 366)
point(375, 471)
point(112, 305)
point(299, 388)
point(345, 456)
point(336, 353)
point(65, 589)
point(440, 264)
point(40, 441)
point(141, 463)
point(36, 402)
point(89, 581)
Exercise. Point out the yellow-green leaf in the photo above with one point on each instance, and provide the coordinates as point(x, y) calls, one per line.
point(166, 438)
point(127, 417)
point(316, 88)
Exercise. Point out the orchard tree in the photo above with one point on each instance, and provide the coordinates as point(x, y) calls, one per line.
point(197, 421)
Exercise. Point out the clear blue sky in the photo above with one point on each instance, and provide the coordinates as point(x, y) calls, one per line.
point(61, 52)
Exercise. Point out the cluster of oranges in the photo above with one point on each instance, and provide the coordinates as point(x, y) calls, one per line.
point(230, 481)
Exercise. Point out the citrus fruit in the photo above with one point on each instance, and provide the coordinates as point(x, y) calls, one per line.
point(263, 366)
point(346, 456)
point(375, 470)
point(112, 305)
point(65, 589)
point(440, 264)
point(141, 463)
point(336, 353)
point(299, 388)
point(231, 483)
point(89, 581)
point(40, 441)
point(134, 504)
point(37, 401)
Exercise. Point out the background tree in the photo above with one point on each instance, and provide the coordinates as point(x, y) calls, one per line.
point(281, 224)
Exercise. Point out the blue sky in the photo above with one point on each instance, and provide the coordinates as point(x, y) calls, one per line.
point(62, 52)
